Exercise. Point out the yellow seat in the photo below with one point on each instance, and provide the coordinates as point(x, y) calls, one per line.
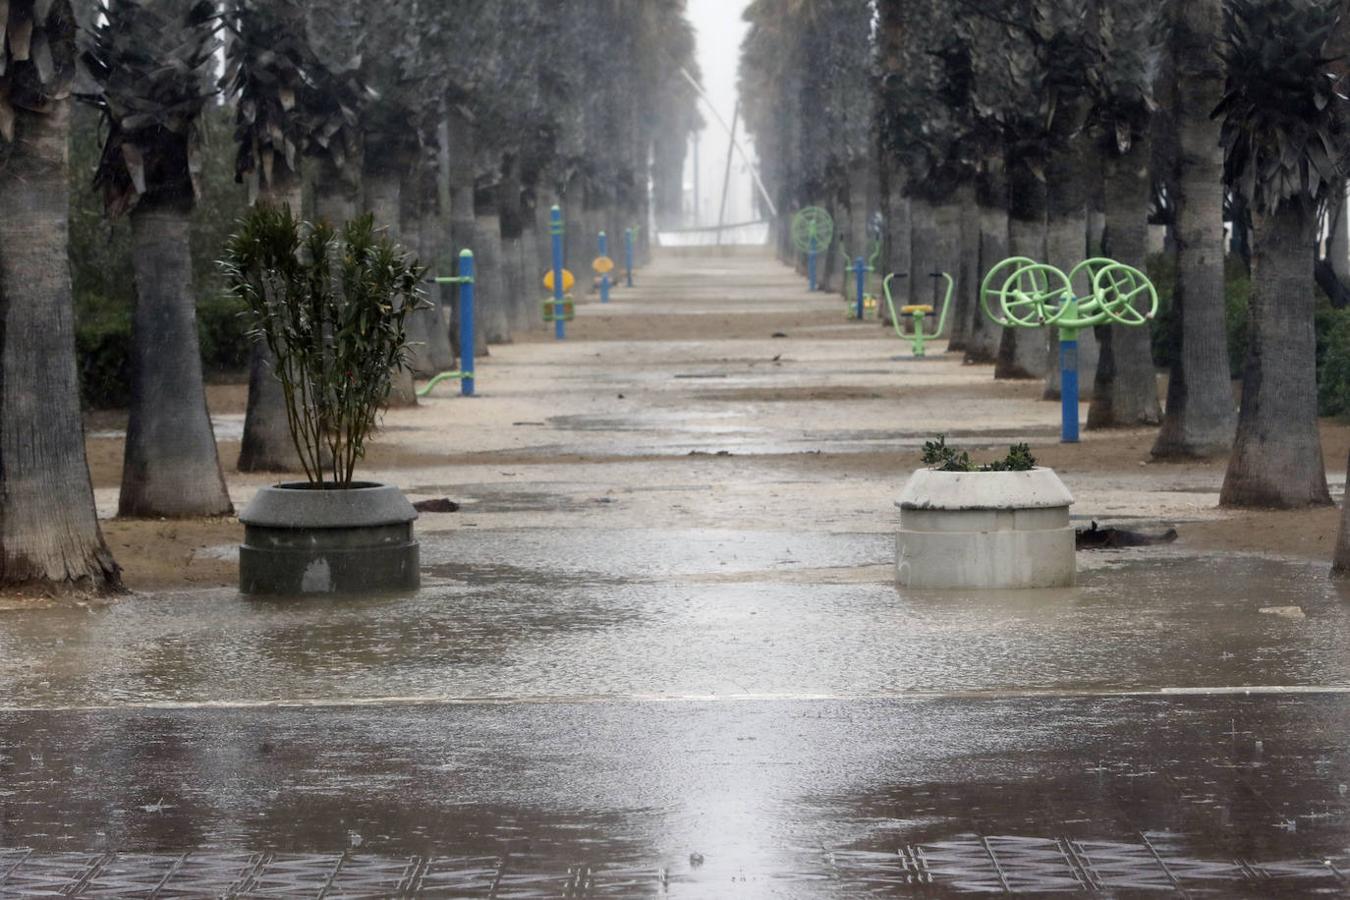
point(911, 310)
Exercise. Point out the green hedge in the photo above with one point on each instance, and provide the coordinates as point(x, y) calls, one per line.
point(103, 348)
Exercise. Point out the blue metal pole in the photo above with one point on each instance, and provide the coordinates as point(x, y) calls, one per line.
point(860, 276)
point(604, 277)
point(811, 264)
point(466, 322)
point(628, 253)
point(1068, 388)
point(556, 229)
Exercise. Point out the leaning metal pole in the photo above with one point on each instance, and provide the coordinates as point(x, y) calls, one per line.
point(754, 171)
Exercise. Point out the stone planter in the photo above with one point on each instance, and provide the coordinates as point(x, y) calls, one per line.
point(299, 539)
point(993, 530)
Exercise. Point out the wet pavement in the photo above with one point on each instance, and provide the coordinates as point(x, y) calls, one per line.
point(636, 672)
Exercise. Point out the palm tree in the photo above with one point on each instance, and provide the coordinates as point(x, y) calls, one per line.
point(1285, 134)
point(49, 532)
point(153, 61)
point(1200, 416)
point(1066, 53)
point(1125, 391)
point(267, 64)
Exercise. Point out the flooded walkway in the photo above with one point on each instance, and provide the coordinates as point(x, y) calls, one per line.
point(659, 652)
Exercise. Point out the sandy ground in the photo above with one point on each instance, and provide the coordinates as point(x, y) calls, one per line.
point(717, 394)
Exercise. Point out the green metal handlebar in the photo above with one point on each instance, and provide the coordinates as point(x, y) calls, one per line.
point(871, 260)
point(1035, 295)
point(942, 316)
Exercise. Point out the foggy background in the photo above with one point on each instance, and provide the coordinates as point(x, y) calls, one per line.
point(720, 31)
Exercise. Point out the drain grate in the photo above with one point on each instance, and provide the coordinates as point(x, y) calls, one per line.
point(974, 864)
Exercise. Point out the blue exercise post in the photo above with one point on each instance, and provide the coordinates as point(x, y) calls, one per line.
point(466, 283)
point(628, 253)
point(811, 265)
point(860, 278)
point(604, 276)
point(464, 318)
point(556, 229)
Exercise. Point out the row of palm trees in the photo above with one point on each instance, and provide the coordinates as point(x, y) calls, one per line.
point(456, 122)
point(1049, 128)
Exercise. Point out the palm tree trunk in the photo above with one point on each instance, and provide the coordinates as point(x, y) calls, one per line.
point(1277, 455)
point(171, 467)
point(898, 237)
point(992, 210)
point(946, 258)
point(1024, 352)
point(923, 245)
point(1199, 419)
point(491, 282)
point(463, 228)
point(434, 252)
point(384, 200)
point(1066, 242)
point(49, 532)
point(964, 299)
point(267, 445)
point(1125, 391)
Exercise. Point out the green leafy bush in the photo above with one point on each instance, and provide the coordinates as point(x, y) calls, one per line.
point(939, 456)
point(1333, 375)
point(223, 326)
point(332, 307)
point(103, 349)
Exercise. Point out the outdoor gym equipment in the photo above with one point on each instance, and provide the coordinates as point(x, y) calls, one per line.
point(603, 265)
point(1034, 295)
point(864, 303)
point(560, 310)
point(464, 375)
point(919, 312)
point(812, 231)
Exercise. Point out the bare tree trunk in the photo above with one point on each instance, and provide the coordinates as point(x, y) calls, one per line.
point(992, 206)
point(1277, 455)
point(1125, 391)
point(171, 467)
point(1024, 352)
point(49, 532)
point(267, 445)
point(1199, 420)
point(384, 200)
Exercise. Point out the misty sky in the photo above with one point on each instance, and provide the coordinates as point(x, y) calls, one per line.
point(720, 30)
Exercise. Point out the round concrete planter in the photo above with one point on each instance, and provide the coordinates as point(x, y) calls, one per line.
point(299, 539)
point(985, 530)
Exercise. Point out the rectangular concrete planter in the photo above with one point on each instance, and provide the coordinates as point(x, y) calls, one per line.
point(985, 530)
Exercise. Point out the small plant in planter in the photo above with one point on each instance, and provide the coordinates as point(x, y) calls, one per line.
point(331, 306)
point(1000, 525)
point(942, 458)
